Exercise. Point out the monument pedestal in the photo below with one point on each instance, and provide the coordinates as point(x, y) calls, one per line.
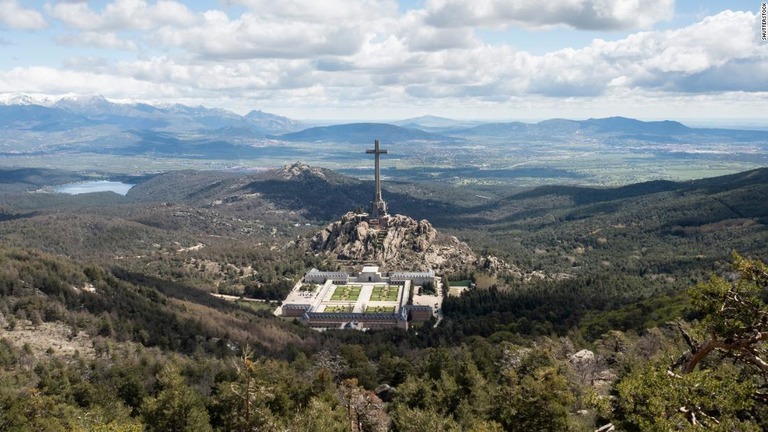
point(378, 206)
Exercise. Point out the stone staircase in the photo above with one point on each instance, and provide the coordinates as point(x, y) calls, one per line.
point(378, 241)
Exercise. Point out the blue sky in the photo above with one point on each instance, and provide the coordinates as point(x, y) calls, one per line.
point(369, 59)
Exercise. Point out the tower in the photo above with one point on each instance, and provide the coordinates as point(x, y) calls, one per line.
point(378, 206)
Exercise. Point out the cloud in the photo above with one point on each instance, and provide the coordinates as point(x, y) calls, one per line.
point(579, 14)
point(318, 29)
point(665, 59)
point(692, 59)
point(48, 80)
point(421, 37)
point(568, 73)
point(122, 15)
point(321, 11)
point(252, 36)
point(14, 16)
point(395, 60)
point(738, 75)
point(98, 40)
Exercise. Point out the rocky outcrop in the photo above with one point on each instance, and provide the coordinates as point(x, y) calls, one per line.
point(298, 170)
point(396, 242)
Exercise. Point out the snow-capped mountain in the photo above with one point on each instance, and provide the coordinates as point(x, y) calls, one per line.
point(28, 99)
point(95, 110)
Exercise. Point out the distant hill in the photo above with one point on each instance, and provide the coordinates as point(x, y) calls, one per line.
point(183, 185)
point(435, 124)
point(614, 128)
point(165, 144)
point(66, 131)
point(362, 133)
point(662, 225)
point(427, 121)
point(34, 178)
point(45, 113)
point(700, 189)
point(271, 123)
point(604, 125)
point(628, 125)
point(39, 118)
point(299, 188)
point(495, 129)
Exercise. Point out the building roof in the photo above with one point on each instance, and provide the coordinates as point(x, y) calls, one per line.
point(315, 271)
point(370, 269)
point(430, 273)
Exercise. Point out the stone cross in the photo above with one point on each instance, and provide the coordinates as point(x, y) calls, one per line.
point(378, 206)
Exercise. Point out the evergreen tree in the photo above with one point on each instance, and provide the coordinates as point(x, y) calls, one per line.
point(720, 382)
point(177, 407)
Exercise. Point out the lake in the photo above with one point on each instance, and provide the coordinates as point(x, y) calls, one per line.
point(94, 186)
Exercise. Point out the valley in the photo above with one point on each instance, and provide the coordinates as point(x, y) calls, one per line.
point(93, 134)
point(587, 245)
point(383, 216)
point(599, 268)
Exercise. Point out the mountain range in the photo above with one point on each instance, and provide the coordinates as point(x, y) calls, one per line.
point(73, 125)
point(615, 128)
point(362, 132)
point(47, 113)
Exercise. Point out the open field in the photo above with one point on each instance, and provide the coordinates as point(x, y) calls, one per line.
point(495, 161)
point(256, 306)
point(385, 293)
point(456, 291)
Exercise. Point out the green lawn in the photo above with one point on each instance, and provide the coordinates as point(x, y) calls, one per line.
point(346, 293)
point(385, 293)
point(309, 287)
point(257, 306)
point(337, 308)
point(380, 309)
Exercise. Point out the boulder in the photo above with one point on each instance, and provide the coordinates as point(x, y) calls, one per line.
point(583, 356)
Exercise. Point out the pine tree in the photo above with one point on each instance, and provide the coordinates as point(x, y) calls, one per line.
point(177, 407)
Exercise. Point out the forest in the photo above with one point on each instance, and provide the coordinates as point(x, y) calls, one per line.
point(641, 308)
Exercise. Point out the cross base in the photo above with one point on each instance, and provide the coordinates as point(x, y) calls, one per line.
point(378, 208)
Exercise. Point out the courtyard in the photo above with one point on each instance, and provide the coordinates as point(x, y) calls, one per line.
point(380, 309)
point(338, 309)
point(346, 293)
point(385, 293)
point(337, 299)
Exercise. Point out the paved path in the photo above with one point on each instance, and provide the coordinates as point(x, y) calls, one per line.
point(362, 299)
point(233, 298)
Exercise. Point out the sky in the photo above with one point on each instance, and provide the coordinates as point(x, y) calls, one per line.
point(499, 60)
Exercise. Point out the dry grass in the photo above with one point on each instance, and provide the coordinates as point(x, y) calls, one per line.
point(54, 336)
